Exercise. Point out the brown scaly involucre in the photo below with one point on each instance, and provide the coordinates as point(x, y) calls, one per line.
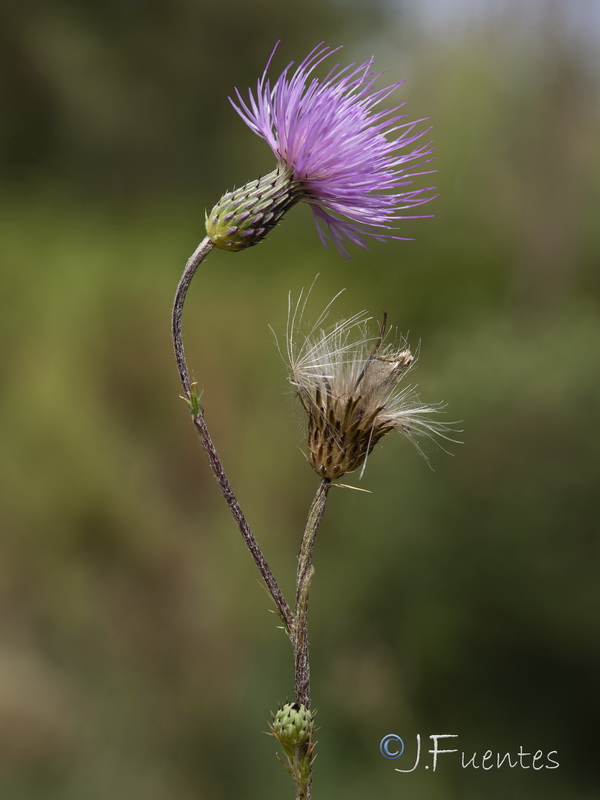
point(349, 384)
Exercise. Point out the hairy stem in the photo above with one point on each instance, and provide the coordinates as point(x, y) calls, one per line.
point(303, 580)
point(192, 397)
point(300, 638)
point(192, 265)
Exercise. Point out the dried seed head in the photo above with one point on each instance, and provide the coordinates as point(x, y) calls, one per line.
point(244, 217)
point(344, 428)
point(348, 382)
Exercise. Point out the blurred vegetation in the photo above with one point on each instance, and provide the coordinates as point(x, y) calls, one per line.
point(137, 657)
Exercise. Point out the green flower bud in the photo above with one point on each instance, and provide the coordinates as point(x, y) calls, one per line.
point(292, 725)
point(243, 218)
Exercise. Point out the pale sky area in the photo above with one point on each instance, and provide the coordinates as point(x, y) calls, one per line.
point(580, 18)
point(575, 23)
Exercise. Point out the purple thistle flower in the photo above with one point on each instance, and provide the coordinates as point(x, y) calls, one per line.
point(342, 153)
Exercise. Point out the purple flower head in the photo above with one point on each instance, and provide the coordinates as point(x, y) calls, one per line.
point(351, 158)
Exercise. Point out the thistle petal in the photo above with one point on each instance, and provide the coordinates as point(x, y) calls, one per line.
point(353, 159)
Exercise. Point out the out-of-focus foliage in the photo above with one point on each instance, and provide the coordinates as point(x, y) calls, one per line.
point(137, 657)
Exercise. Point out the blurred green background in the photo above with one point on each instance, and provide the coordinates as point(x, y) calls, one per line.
point(138, 657)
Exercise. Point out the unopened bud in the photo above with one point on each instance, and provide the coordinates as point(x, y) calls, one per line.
point(292, 725)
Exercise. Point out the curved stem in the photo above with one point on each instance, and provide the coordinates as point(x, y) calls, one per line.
point(192, 265)
point(192, 397)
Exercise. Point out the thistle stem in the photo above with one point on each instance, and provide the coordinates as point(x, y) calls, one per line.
point(303, 580)
point(192, 397)
point(305, 573)
point(192, 265)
